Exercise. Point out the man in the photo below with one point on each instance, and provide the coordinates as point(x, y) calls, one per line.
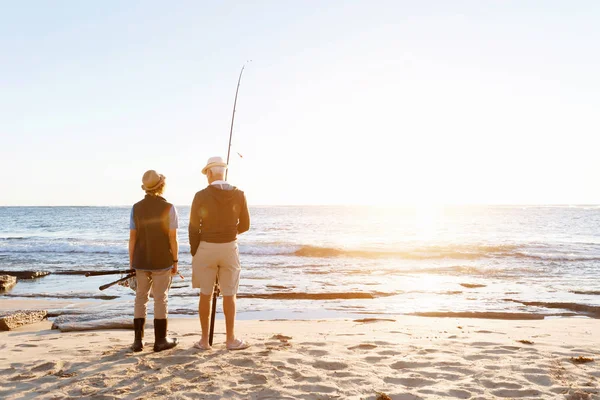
point(219, 213)
point(153, 250)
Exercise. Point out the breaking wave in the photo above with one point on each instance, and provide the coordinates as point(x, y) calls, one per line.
point(463, 252)
point(459, 252)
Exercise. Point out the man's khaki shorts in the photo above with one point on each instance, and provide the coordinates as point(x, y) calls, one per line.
point(214, 259)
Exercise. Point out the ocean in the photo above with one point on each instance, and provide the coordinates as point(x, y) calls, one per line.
point(308, 262)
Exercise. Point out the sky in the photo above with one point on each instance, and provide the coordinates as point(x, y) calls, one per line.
point(344, 102)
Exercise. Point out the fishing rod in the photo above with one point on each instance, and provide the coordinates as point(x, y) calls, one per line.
point(131, 275)
point(98, 273)
point(233, 115)
point(217, 289)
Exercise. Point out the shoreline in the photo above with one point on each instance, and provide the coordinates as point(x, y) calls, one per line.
point(406, 358)
point(95, 308)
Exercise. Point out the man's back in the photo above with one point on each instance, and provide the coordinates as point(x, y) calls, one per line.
point(150, 218)
point(220, 211)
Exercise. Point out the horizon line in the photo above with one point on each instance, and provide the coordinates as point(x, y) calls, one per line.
point(346, 205)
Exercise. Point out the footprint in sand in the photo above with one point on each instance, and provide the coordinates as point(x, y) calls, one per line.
point(244, 362)
point(481, 344)
point(477, 357)
point(363, 346)
point(459, 369)
point(48, 366)
point(498, 351)
point(317, 388)
point(281, 337)
point(383, 343)
point(374, 359)
point(177, 360)
point(530, 393)
point(410, 382)
point(299, 377)
point(330, 365)
point(495, 384)
point(21, 377)
point(539, 379)
point(409, 365)
point(460, 394)
point(388, 353)
point(254, 379)
point(317, 344)
point(27, 345)
point(318, 353)
point(442, 376)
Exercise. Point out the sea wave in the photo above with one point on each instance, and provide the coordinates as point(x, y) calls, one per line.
point(458, 252)
point(463, 252)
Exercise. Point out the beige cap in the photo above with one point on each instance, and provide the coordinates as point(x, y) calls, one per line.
point(214, 162)
point(152, 180)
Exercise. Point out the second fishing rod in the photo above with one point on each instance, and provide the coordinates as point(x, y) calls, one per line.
point(216, 290)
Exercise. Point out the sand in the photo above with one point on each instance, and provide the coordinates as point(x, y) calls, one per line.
point(409, 358)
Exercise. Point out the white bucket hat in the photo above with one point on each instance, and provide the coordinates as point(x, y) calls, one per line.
point(214, 162)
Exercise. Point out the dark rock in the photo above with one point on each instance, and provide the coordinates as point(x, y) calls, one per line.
point(483, 315)
point(586, 309)
point(16, 319)
point(26, 274)
point(64, 295)
point(307, 296)
point(7, 282)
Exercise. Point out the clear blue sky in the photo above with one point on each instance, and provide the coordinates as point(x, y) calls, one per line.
point(344, 102)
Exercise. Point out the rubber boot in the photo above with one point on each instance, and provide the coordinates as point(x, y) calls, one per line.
point(161, 342)
point(138, 327)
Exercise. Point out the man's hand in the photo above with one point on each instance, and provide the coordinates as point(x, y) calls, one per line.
point(174, 269)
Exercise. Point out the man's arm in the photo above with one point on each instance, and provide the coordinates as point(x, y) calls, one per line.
point(244, 220)
point(132, 237)
point(173, 225)
point(174, 248)
point(194, 227)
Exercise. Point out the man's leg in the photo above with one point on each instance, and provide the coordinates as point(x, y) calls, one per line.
point(144, 282)
point(204, 313)
point(229, 311)
point(229, 278)
point(161, 281)
point(204, 274)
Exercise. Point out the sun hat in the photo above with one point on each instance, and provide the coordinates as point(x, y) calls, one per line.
point(214, 162)
point(152, 180)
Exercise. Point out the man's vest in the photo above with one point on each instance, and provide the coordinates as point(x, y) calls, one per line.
point(152, 248)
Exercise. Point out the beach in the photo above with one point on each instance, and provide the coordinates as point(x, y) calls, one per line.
point(401, 358)
point(477, 303)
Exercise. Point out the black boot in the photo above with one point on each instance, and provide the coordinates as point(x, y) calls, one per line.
point(161, 342)
point(138, 328)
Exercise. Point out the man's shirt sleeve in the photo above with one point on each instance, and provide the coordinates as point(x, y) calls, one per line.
point(131, 221)
point(173, 218)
